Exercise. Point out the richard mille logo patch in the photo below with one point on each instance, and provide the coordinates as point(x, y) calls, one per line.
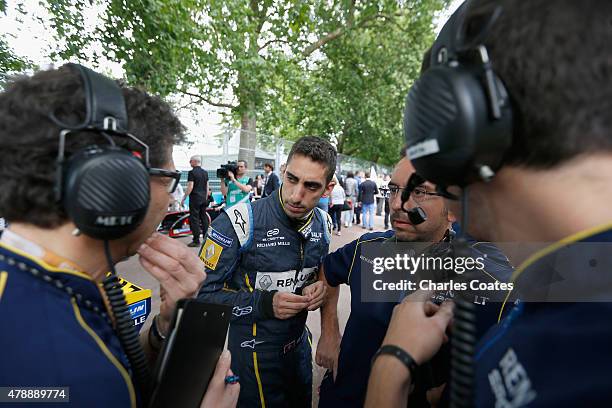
point(239, 221)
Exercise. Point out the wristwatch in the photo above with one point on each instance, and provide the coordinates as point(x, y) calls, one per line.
point(154, 331)
point(402, 355)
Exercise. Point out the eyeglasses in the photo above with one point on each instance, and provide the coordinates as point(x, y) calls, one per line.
point(419, 194)
point(174, 175)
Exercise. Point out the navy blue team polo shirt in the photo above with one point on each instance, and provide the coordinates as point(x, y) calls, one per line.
point(50, 338)
point(552, 354)
point(368, 322)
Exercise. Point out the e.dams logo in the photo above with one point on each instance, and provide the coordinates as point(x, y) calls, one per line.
point(272, 232)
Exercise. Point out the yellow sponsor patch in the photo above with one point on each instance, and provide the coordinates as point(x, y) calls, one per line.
point(210, 254)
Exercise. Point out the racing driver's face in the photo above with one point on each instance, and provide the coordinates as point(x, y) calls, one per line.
point(304, 183)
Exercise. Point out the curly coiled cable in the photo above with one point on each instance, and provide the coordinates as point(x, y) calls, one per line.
point(124, 327)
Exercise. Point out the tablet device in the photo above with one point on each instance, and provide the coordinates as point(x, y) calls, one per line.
point(190, 354)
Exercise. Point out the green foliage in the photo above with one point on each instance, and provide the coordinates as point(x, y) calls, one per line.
point(9, 62)
point(355, 95)
point(334, 68)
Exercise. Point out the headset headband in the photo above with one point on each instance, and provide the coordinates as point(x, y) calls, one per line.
point(104, 103)
point(458, 116)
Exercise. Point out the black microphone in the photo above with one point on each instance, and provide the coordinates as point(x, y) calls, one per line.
point(417, 215)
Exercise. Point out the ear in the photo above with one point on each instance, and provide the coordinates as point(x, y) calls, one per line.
point(328, 189)
point(451, 217)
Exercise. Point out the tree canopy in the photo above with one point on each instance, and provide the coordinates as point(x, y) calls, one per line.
point(355, 94)
point(9, 62)
point(338, 69)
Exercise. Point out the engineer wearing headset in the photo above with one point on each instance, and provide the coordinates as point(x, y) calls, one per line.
point(81, 194)
point(535, 167)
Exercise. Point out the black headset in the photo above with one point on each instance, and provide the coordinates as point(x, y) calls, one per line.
point(458, 125)
point(104, 189)
point(458, 116)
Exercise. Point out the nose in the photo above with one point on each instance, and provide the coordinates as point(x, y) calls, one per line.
point(396, 201)
point(297, 194)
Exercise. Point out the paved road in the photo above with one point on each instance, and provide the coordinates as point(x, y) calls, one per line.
point(132, 271)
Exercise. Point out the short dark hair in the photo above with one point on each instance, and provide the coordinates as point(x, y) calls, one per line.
point(350, 174)
point(562, 97)
point(29, 139)
point(318, 150)
point(367, 174)
point(270, 165)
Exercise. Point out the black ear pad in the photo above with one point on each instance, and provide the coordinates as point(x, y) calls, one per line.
point(449, 128)
point(105, 191)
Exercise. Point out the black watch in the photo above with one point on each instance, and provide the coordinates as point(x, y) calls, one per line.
point(154, 331)
point(402, 355)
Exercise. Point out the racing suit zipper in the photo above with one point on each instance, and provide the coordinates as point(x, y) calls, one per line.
point(300, 266)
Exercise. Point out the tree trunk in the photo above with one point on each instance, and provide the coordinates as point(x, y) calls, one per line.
point(248, 137)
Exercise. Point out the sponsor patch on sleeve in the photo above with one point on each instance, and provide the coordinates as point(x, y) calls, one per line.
point(219, 238)
point(329, 224)
point(210, 253)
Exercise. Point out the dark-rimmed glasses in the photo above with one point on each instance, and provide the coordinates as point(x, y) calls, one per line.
point(174, 175)
point(418, 194)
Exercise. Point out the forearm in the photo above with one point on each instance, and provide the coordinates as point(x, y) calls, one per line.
point(223, 187)
point(189, 190)
point(329, 312)
point(256, 305)
point(329, 308)
point(150, 345)
point(245, 188)
point(389, 383)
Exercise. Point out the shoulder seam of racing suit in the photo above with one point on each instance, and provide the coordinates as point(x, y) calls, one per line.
point(243, 229)
point(325, 219)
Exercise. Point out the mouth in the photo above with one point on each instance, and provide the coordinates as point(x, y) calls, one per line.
point(293, 208)
point(401, 223)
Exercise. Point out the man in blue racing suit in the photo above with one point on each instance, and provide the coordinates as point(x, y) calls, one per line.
point(263, 259)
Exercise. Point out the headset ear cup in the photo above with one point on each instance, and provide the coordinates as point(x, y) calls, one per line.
point(448, 127)
point(106, 192)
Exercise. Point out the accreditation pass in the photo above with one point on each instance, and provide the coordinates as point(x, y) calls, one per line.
point(34, 394)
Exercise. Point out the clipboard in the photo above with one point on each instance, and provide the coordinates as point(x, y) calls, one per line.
point(190, 354)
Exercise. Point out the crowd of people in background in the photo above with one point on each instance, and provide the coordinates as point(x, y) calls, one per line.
point(357, 194)
point(354, 194)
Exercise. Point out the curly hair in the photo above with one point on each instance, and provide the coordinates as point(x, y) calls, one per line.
point(318, 150)
point(29, 139)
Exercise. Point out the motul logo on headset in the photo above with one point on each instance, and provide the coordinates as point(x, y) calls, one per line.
point(112, 221)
